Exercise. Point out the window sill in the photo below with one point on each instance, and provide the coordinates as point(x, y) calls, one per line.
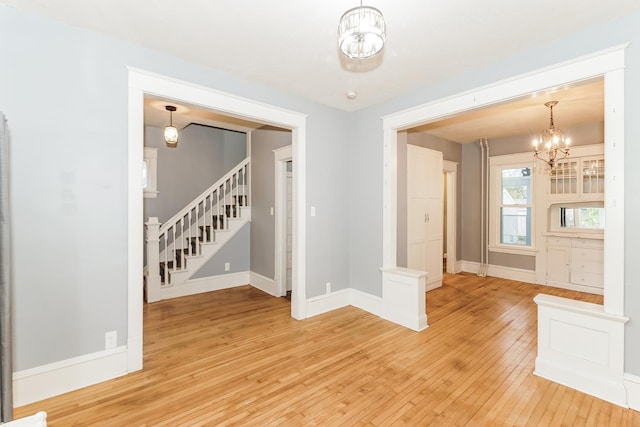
point(530, 251)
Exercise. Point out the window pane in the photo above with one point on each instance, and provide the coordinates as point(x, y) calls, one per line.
point(589, 218)
point(515, 226)
point(516, 186)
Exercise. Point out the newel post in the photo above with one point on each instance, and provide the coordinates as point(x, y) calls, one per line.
point(153, 282)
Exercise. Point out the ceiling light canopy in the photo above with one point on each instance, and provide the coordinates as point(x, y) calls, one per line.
point(361, 32)
point(551, 145)
point(170, 132)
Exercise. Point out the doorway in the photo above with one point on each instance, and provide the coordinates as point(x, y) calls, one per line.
point(284, 253)
point(141, 83)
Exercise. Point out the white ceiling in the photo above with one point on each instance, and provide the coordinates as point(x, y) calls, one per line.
point(291, 44)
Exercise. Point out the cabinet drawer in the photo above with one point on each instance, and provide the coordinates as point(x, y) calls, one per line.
point(587, 243)
point(587, 255)
point(581, 266)
point(587, 279)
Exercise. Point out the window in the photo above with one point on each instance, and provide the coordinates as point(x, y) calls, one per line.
point(149, 172)
point(515, 208)
point(512, 196)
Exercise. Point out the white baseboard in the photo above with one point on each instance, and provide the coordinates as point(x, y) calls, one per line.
point(328, 302)
point(42, 382)
point(205, 284)
point(632, 384)
point(365, 301)
point(342, 298)
point(502, 272)
point(263, 283)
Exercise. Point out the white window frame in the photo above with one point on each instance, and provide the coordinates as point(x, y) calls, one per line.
point(151, 163)
point(496, 165)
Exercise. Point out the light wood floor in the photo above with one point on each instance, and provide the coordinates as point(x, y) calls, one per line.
point(235, 357)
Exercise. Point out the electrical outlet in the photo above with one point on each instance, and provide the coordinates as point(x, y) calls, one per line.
point(227, 266)
point(110, 339)
point(328, 286)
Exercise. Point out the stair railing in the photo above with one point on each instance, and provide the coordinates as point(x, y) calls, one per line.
point(169, 244)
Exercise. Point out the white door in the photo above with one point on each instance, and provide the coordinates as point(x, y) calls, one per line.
point(424, 213)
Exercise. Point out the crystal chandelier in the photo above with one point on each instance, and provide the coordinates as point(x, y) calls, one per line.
point(551, 145)
point(170, 132)
point(361, 32)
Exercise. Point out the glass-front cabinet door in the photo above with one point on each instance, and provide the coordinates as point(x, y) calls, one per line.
point(564, 178)
point(593, 176)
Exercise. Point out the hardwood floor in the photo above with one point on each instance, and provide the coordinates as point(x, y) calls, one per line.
point(236, 357)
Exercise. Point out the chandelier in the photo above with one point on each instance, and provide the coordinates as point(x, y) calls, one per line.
point(361, 32)
point(170, 132)
point(551, 145)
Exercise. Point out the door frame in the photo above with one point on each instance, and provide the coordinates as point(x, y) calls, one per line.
point(141, 83)
point(450, 170)
point(281, 156)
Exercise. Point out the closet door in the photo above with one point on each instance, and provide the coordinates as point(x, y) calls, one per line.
point(424, 212)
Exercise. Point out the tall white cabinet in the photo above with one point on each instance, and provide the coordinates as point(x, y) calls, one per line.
point(575, 255)
point(425, 213)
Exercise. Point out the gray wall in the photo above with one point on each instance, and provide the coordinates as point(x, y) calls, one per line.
point(203, 155)
point(69, 164)
point(366, 150)
point(451, 151)
point(263, 142)
point(235, 252)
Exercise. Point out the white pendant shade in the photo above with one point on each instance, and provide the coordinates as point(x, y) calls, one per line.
point(171, 136)
point(171, 132)
point(361, 32)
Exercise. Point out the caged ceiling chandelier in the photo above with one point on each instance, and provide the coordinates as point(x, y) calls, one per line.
point(551, 145)
point(361, 32)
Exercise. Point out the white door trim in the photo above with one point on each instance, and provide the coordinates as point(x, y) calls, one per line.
point(143, 82)
point(451, 170)
point(281, 156)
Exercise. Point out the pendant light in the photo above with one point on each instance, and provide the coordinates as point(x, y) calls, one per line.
point(170, 132)
point(361, 32)
point(551, 145)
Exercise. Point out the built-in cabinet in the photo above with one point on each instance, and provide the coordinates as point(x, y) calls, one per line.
point(577, 179)
point(575, 255)
point(576, 263)
point(425, 213)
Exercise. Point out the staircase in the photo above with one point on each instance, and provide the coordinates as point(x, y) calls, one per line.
point(177, 249)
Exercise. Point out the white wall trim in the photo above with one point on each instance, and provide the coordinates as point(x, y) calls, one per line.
point(365, 301)
point(205, 284)
point(328, 302)
point(42, 382)
point(143, 82)
point(501, 272)
point(342, 298)
point(263, 283)
point(632, 384)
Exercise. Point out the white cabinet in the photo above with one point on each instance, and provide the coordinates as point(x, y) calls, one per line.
point(425, 213)
point(575, 263)
point(578, 179)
